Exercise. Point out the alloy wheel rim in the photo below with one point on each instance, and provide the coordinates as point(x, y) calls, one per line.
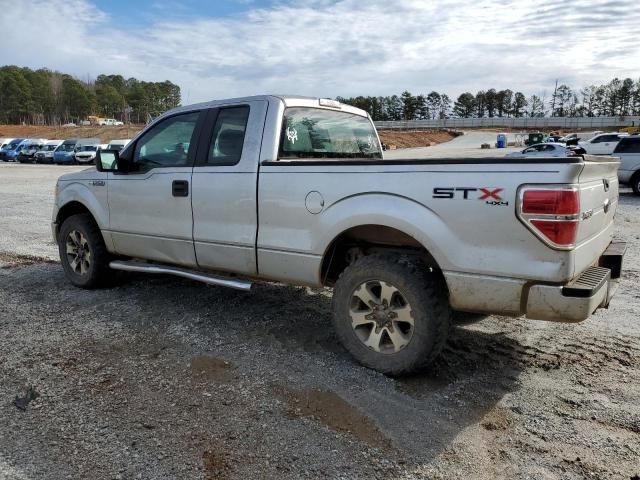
point(78, 252)
point(381, 317)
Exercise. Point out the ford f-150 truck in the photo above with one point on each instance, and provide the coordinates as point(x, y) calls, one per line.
point(296, 190)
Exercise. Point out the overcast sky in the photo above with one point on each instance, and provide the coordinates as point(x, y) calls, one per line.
point(328, 47)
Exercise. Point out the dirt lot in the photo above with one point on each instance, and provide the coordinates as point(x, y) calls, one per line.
point(105, 133)
point(162, 378)
point(414, 138)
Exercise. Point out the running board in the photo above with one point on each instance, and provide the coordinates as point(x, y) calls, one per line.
point(131, 266)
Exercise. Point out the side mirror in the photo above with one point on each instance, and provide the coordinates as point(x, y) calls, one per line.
point(107, 160)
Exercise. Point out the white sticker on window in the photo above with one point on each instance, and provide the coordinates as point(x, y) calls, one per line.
point(370, 141)
point(292, 135)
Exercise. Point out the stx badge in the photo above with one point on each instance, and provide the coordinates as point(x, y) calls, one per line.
point(489, 195)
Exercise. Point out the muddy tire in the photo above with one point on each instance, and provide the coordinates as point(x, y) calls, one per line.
point(391, 314)
point(83, 254)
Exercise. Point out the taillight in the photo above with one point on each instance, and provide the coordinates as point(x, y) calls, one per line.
point(550, 202)
point(552, 213)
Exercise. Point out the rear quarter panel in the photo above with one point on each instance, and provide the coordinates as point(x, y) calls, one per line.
point(467, 235)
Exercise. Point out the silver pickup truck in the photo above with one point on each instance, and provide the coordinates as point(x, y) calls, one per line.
point(296, 190)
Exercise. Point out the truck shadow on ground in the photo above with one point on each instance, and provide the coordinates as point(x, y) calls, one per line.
point(283, 336)
point(419, 414)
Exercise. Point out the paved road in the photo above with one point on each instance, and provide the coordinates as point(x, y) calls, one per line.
point(467, 145)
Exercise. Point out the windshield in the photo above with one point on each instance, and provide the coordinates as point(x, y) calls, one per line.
point(12, 145)
point(88, 148)
point(115, 146)
point(318, 133)
point(66, 147)
point(49, 148)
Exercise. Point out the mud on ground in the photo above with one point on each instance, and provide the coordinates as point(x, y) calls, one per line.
point(164, 378)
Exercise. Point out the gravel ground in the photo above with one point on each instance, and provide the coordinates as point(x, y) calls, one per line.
point(26, 200)
point(163, 378)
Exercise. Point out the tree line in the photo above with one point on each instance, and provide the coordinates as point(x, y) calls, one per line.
point(616, 98)
point(45, 97)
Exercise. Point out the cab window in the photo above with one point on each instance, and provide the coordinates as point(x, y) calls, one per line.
point(320, 133)
point(228, 136)
point(166, 144)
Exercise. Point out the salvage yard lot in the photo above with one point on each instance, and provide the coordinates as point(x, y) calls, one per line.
point(160, 377)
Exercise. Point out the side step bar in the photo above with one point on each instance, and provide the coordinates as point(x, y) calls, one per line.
point(132, 266)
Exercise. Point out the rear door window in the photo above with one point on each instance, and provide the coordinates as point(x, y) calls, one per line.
point(227, 140)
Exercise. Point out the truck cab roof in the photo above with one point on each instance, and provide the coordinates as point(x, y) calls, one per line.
point(287, 100)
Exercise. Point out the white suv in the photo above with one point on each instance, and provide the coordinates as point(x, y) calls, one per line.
point(628, 150)
point(603, 144)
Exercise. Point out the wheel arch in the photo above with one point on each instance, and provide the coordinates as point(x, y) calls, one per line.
point(367, 239)
point(75, 197)
point(377, 220)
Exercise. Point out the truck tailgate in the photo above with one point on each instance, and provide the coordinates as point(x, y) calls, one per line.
point(598, 183)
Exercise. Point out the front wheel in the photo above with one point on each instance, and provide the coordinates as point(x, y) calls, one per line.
point(391, 314)
point(83, 253)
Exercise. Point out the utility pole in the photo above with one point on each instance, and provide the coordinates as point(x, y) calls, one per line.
point(553, 99)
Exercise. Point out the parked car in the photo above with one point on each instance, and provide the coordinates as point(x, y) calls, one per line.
point(9, 145)
point(5, 141)
point(554, 139)
point(85, 151)
point(542, 150)
point(118, 144)
point(65, 153)
point(601, 144)
point(296, 190)
point(45, 154)
point(29, 149)
point(570, 139)
point(12, 151)
point(574, 138)
point(628, 151)
point(110, 121)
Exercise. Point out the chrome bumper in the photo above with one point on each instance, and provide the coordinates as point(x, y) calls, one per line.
point(577, 300)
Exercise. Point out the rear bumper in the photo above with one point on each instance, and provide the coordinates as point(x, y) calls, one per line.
point(577, 300)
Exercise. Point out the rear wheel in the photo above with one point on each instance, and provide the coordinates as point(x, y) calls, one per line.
point(83, 253)
point(391, 314)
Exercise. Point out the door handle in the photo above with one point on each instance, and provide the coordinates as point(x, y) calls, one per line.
point(180, 188)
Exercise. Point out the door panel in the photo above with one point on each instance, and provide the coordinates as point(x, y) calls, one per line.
point(224, 188)
point(150, 206)
point(147, 221)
